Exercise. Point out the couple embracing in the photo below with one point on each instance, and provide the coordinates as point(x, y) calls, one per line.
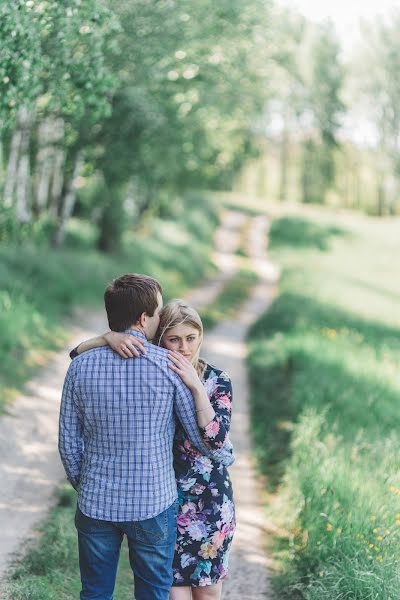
point(144, 440)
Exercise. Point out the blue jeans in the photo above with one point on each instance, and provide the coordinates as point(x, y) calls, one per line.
point(151, 550)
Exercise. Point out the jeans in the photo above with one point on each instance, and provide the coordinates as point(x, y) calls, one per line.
point(151, 550)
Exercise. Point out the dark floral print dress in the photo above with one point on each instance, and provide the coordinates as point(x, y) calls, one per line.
point(206, 518)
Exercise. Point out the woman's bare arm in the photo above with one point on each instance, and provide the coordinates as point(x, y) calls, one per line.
point(125, 344)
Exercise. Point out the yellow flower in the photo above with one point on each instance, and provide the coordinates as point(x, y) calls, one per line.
point(375, 530)
point(339, 530)
point(398, 516)
point(373, 518)
point(398, 522)
point(379, 537)
point(379, 558)
point(329, 527)
point(370, 545)
point(207, 550)
point(376, 548)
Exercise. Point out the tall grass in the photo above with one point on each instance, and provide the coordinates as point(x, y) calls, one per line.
point(39, 285)
point(326, 417)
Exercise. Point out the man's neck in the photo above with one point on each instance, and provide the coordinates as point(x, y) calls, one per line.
point(138, 328)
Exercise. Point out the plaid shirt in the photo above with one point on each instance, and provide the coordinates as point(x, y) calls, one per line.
point(117, 423)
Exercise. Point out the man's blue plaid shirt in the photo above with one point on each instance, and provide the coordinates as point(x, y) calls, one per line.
point(117, 423)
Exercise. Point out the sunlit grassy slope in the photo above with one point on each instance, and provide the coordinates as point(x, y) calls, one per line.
point(324, 370)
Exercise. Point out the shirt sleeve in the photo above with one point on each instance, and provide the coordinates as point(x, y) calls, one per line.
point(70, 439)
point(186, 413)
point(215, 433)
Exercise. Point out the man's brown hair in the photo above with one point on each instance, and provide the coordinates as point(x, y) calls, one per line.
point(127, 297)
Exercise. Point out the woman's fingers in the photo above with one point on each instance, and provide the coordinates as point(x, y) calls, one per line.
point(135, 341)
point(176, 369)
point(178, 360)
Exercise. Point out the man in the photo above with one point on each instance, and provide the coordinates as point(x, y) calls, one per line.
point(116, 430)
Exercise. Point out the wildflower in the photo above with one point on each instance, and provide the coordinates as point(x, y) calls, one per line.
point(329, 527)
point(379, 537)
point(375, 530)
point(370, 545)
point(339, 530)
point(373, 518)
point(376, 548)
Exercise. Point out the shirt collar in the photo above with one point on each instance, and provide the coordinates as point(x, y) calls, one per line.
point(136, 333)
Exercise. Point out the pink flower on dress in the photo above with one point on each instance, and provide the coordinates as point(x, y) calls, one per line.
point(224, 402)
point(212, 428)
point(218, 538)
point(186, 516)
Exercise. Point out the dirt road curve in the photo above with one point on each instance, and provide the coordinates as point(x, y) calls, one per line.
point(30, 468)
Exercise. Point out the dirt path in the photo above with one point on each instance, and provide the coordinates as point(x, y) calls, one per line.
point(225, 347)
point(30, 469)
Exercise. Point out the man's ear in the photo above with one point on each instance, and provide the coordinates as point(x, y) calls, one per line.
point(143, 319)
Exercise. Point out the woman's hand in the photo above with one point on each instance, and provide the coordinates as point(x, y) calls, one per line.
point(185, 369)
point(126, 344)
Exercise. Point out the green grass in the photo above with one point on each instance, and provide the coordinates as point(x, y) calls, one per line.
point(229, 300)
point(325, 413)
point(50, 569)
point(39, 286)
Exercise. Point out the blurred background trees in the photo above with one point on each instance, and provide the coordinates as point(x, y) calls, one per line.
point(111, 110)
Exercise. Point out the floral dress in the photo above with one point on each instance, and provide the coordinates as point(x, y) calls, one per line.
point(206, 518)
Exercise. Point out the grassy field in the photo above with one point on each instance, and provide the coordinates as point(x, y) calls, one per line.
point(324, 370)
point(39, 286)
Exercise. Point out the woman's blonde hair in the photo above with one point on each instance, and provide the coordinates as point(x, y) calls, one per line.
point(175, 313)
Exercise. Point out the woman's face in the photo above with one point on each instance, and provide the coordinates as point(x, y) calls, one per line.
point(184, 339)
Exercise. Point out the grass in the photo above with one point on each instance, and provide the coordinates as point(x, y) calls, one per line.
point(50, 569)
point(229, 300)
point(325, 413)
point(39, 286)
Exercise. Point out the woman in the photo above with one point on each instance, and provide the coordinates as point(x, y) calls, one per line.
point(206, 518)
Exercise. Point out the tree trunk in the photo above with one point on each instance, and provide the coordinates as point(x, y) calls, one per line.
point(44, 160)
point(57, 182)
point(68, 202)
point(380, 197)
point(22, 193)
point(284, 158)
point(12, 167)
point(112, 221)
point(392, 205)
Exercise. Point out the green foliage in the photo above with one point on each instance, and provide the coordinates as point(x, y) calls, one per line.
point(39, 287)
point(325, 414)
point(303, 233)
point(55, 58)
